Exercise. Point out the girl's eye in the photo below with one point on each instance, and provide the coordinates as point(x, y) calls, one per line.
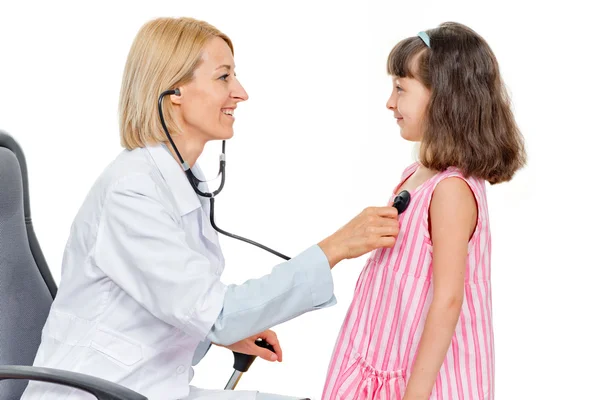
point(398, 88)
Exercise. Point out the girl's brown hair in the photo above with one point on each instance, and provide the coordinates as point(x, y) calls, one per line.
point(469, 122)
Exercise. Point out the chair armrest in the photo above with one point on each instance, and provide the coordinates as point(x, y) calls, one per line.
point(101, 388)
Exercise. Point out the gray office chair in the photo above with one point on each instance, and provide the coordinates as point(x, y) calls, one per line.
point(27, 291)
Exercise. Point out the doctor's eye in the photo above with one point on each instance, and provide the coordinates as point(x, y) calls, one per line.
point(224, 77)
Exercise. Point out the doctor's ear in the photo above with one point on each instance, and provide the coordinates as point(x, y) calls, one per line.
point(176, 98)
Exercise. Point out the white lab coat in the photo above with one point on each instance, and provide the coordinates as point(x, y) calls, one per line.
point(140, 298)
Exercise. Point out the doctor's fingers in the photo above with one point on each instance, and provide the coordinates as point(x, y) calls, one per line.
point(384, 212)
point(370, 220)
point(384, 229)
point(270, 337)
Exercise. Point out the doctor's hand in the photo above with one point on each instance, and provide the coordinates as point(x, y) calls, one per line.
point(373, 228)
point(247, 346)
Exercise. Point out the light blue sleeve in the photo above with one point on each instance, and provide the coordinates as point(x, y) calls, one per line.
point(302, 284)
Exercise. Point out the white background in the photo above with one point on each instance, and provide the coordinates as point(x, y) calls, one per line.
point(315, 144)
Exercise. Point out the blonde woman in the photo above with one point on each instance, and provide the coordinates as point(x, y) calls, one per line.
point(140, 298)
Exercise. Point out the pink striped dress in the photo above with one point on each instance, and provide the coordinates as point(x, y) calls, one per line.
point(379, 338)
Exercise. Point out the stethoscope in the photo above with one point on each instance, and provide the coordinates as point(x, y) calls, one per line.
point(401, 201)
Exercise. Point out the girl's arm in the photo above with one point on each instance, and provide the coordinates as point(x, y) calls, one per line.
point(453, 216)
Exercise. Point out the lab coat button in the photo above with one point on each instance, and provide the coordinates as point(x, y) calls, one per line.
point(180, 369)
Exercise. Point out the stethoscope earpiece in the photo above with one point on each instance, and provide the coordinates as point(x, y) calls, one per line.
point(401, 201)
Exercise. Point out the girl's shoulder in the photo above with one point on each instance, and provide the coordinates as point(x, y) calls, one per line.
point(475, 184)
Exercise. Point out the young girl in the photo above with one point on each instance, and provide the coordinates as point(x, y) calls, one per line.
point(420, 324)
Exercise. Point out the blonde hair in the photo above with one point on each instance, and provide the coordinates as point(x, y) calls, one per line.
point(164, 55)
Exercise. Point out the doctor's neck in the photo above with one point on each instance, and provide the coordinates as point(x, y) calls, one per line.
point(190, 149)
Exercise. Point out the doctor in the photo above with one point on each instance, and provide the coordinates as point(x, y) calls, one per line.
point(140, 298)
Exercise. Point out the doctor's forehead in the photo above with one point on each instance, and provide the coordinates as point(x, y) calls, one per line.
point(216, 55)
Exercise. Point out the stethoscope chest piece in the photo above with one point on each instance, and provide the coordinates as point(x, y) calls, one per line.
point(401, 201)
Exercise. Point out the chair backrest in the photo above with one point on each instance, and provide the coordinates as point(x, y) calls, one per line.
point(26, 285)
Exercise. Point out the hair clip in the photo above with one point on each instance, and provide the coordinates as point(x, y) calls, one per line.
point(425, 38)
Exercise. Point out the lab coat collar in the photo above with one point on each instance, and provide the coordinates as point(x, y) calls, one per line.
point(187, 200)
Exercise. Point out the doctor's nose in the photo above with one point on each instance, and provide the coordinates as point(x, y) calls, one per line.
point(238, 92)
